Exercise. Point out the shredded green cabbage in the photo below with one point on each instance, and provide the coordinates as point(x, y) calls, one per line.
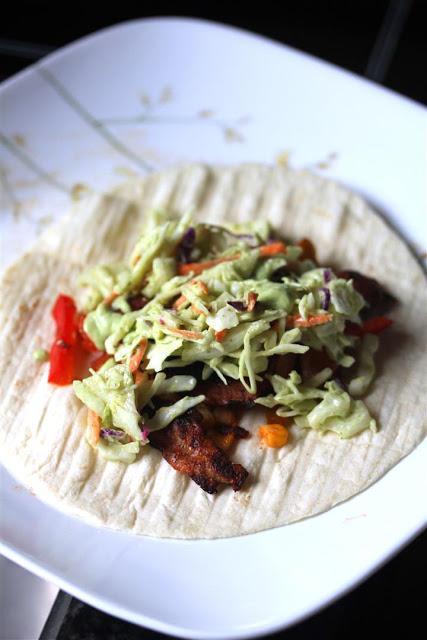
point(345, 298)
point(357, 419)
point(100, 281)
point(359, 385)
point(163, 270)
point(117, 452)
point(100, 324)
point(166, 415)
point(113, 388)
point(327, 409)
point(205, 318)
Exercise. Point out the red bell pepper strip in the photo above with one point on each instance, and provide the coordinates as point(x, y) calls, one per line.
point(373, 325)
point(63, 351)
point(377, 324)
point(62, 363)
point(64, 313)
point(69, 350)
point(85, 341)
point(66, 351)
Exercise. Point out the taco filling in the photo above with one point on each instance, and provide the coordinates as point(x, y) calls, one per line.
point(205, 320)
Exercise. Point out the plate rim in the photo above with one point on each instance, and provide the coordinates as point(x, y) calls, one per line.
point(144, 621)
point(221, 26)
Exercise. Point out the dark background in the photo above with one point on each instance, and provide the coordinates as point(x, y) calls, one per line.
point(385, 40)
point(342, 31)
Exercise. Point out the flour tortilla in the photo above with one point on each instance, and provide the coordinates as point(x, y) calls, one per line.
point(41, 431)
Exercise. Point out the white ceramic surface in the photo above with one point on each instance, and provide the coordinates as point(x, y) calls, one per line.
point(145, 95)
point(25, 602)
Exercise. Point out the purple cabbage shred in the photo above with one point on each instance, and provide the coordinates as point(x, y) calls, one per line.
point(246, 237)
point(186, 245)
point(137, 302)
point(145, 431)
point(238, 305)
point(112, 433)
point(327, 275)
point(326, 298)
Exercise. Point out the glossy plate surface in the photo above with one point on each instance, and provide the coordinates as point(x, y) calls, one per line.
point(149, 94)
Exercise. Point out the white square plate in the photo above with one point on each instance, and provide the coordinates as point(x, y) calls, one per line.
point(148, 94)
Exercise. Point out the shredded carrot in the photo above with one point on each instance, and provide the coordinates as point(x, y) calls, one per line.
point(184, 333)
point(195, 309)
point(199, 267)
point(268, 250)
point(311, 321)
point(109, 299)
point(308, 250)
point(94, 423)
point(273, 435)
point(273, 418)
point(201, 285)
point(139, 376)
point(220, 335)
point(136, 358)
point(252, 298)
point(179, 302)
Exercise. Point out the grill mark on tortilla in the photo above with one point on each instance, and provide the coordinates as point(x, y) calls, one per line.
point(217, 198)
point(249, 188)
point(114, 490)
point(88, 454)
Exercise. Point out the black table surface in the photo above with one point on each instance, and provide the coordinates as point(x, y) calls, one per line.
point(381, 39)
